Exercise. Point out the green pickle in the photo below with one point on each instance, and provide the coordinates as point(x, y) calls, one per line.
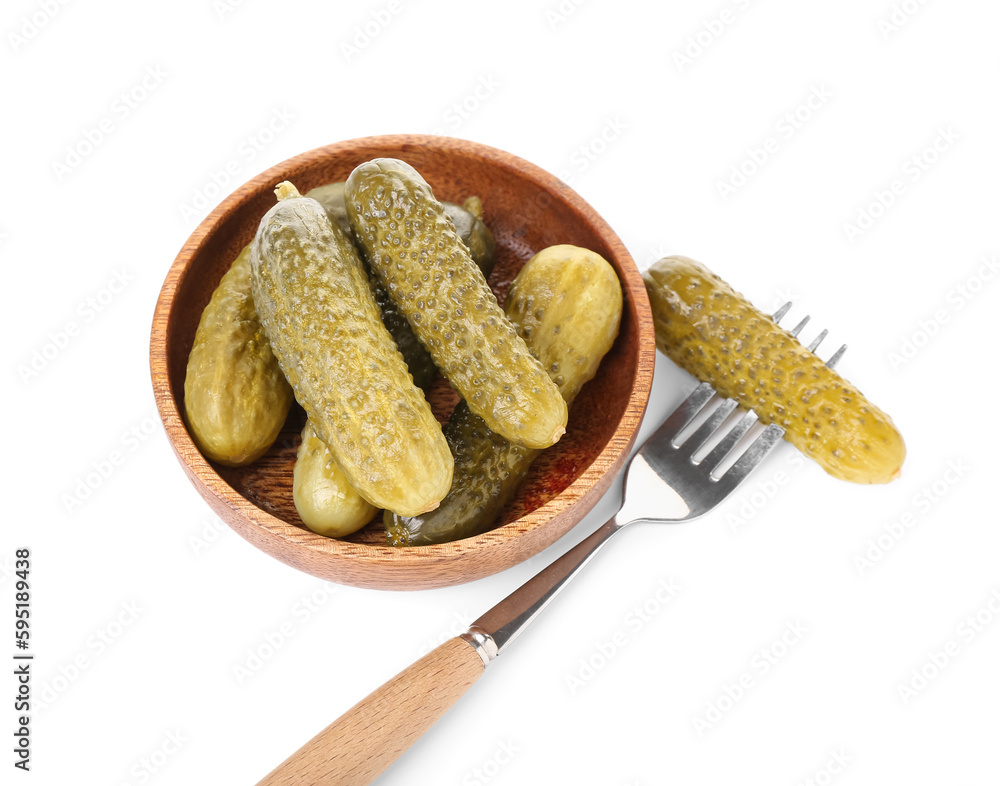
point(331, 197)
point(325, 500)
point(468, 221)
point(411, 244)
point(566, 303)
point(418, 360)
point(713, 333)
point(317, 309)
point(467, 218)
point(235, 397)
point(473, 232)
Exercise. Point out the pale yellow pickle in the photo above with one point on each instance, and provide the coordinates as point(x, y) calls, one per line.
point(235, 396)
point(324, 498)
point(713, 333)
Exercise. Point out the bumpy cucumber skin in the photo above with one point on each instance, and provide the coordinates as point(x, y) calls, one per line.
point(716, 335)
point(412, 245)
point(473, 232)
point(466, 217)
point(235, 396)
point(488, 470)
point(418, 360)
point(566, 303)
point(317, 309)
point(325, 500)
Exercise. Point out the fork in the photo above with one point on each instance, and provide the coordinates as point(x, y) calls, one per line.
point(668, 474)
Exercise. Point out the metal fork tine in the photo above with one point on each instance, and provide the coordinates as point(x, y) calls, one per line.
point(798, 328)
point(718, 454)
point(688, 409)
point(753, 455)
point(817, 341)
point(777, 315)
point(709, 427)
point(837, 356)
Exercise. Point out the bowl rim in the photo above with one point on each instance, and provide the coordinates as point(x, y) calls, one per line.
point(585, 490)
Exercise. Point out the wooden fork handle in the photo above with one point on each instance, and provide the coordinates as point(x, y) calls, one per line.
point(358, 746)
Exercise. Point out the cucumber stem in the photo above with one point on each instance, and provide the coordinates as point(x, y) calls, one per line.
point(474, 205)
point(285, 190)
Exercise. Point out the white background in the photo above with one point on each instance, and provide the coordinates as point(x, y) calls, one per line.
point(599, 94)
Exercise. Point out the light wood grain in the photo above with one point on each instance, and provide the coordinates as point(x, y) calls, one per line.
point(527, 209)
point(357, 747)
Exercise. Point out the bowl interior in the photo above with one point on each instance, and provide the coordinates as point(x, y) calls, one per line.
point(526, 210)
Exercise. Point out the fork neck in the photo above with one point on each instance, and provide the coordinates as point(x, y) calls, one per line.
point(648, 496)
point(635, 508)
point(493, 632)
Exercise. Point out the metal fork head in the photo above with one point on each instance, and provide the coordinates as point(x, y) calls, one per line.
point(677, 476)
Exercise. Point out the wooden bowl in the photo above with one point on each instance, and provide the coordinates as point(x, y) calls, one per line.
point(527, 209)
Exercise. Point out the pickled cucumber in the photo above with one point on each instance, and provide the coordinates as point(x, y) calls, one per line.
point(331, 196)
point(418, 360)
point(412, 245)
point(566, 303)
point(467, 218)
point(325, 500)
point(468, 221)
point(474, 233)
point(317, 309)
point(235, 396)
point(716, 335)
